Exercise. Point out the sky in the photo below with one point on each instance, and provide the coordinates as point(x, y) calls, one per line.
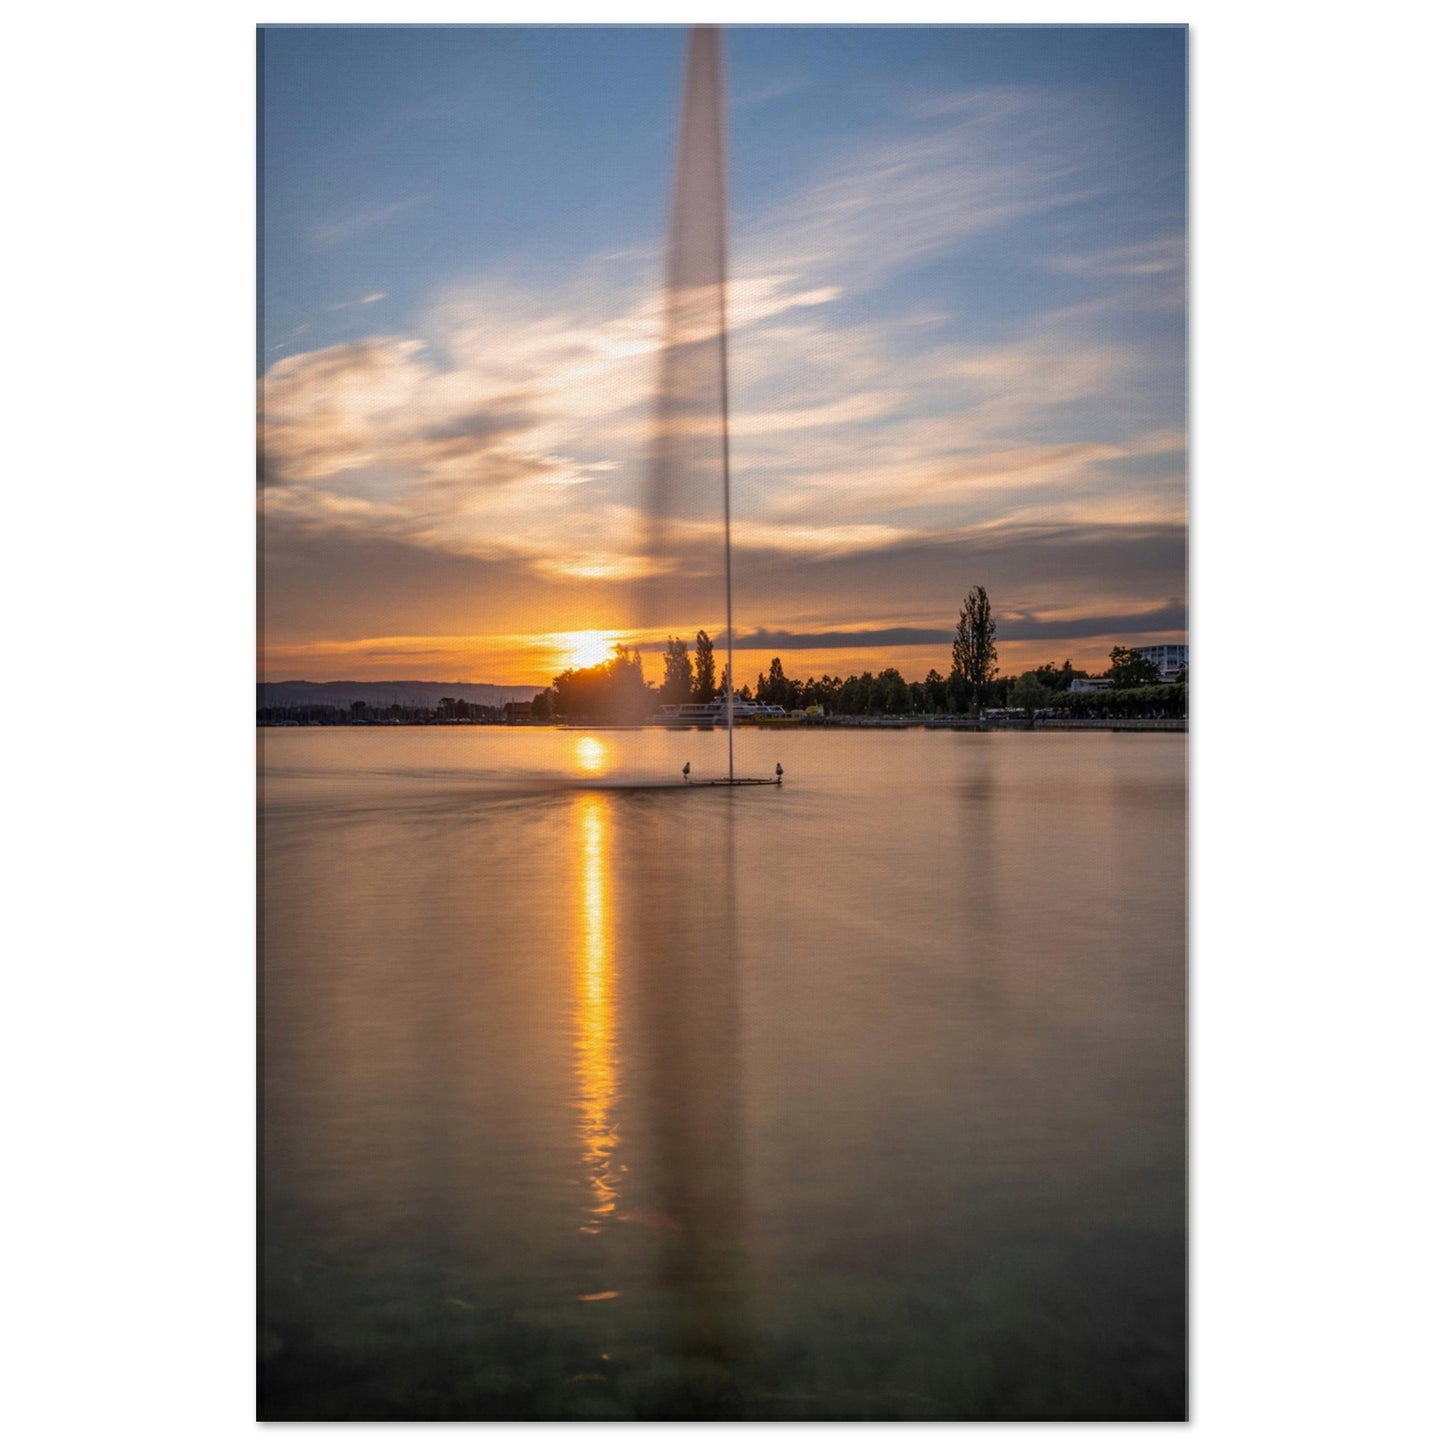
point(957, 344)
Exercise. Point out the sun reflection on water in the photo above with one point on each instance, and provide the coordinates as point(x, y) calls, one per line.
point(595, 1005)
point(590, 754)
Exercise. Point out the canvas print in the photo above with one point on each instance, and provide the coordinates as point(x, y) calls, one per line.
point(722, 714)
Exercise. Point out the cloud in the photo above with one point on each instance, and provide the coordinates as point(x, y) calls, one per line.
point(595, 566)
point(768, 91)
point(381, 405)
point(366, 300)
point(329, 411)
point(1060, 584)
point(357, 223)
point(1025, 627)
point(882, 450)
point(447, 444)
point(1032, 572)
point(1160, 257)
point(967, 164)
point(1012, 627)
point(859, 637)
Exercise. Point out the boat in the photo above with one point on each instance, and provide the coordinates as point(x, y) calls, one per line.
point(689, 715)
point(710, 714)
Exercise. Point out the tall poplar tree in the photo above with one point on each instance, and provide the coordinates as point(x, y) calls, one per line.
point(676, 671)
point(975, 658)
point(704, 689)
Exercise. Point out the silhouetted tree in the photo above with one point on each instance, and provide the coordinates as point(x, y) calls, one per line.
point(614, 690)
point(825, 695)
point(677, 671)
point(704, 687)
point(1161, 700)
point(775, 690)
point(856, 694)
point(974, 655)
point(959, 692)
point(1128, 668)
point(935, 691)
point(891, 695)
point(1029, 693)
point(1057, 679)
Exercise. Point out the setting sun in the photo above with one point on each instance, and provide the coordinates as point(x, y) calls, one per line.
point(584, 649)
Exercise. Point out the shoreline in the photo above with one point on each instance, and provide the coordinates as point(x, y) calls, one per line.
point(795, 725)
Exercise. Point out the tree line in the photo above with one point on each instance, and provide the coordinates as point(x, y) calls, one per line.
point(617, 691)
point(448, 709)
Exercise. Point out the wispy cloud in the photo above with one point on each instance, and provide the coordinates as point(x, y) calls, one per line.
point(357, 223)
point(367, 300)
point(1148, 258)
point(971, 163)
point(777, 88)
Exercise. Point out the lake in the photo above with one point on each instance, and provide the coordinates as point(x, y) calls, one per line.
point(859, 1098)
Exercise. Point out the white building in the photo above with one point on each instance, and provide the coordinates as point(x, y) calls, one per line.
point(1171, 658)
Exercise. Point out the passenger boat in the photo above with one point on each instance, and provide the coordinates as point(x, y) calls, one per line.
point(710, 714)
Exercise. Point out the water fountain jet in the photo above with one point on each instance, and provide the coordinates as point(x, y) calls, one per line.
point(690, 454)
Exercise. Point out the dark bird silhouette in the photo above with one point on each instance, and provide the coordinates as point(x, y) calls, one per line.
point(687, 771)
point(779, 771)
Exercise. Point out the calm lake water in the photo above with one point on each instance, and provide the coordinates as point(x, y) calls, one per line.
point(859, 1098)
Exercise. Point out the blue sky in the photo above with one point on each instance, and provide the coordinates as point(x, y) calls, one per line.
point(959, 350)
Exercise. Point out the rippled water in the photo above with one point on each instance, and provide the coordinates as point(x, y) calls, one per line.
point(862, 1097)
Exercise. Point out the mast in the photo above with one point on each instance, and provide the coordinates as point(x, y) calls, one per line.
point(722, 336)
point(727, 533)
point(714, 33)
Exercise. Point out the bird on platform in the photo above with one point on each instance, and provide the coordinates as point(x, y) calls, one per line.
point(779, 771)
point(687, 772)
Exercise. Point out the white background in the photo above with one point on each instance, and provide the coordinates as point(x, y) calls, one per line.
point(129, 586)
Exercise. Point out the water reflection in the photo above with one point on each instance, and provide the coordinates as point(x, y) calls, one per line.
point(980, 842)
point(595, 987)
point(687, 951)
point(589, 754)
point(654, 992)
point(875, 1110)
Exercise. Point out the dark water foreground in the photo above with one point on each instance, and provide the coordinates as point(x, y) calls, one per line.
point(862, 1098)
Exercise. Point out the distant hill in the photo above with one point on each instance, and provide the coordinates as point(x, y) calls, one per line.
point(383, 694)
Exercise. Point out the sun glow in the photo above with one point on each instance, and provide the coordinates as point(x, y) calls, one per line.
point(583, 649)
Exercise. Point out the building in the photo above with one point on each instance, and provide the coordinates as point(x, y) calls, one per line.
point(1090, 684)
point(1171, 658)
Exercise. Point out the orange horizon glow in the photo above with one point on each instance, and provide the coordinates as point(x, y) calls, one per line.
point(533, 661)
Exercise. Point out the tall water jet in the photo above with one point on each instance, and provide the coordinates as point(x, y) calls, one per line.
point(688, 482)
